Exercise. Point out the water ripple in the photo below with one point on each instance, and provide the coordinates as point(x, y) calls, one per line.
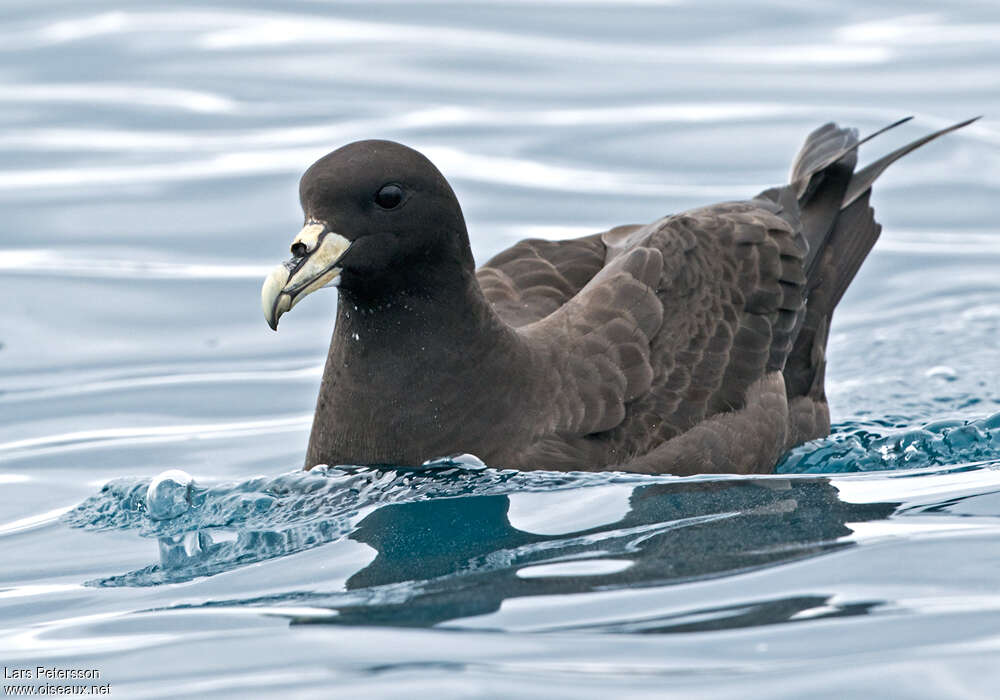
point(930, 29)
point(145, 147)
point(68, 262)
point(860, 449)
point(147, 382)
point(88, 439)
point(118, 95)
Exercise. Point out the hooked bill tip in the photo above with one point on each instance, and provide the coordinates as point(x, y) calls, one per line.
point(271, 295)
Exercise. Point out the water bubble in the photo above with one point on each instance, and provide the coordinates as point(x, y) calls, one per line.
point(169, 495)
point(944, 372)
point(465, 460)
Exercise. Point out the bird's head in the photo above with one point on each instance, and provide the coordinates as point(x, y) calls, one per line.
point(380, 219)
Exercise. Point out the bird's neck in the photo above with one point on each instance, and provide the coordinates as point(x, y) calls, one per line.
point(392, 331)
point(404, 371)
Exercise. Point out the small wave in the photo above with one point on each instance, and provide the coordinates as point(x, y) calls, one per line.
point(135, 383)
point(458, 163)
point(79, 263)
point(436, 118)
point(940, 443)
point(26, 384)
point(918, 30)
point(438, 544)
point(87, 439)
point(281, 515)
point(443, 117)
point(322, 492)
point(939, 242)
point(119, 94)
point(214, 31)
point(241, 164)
point(280, 29)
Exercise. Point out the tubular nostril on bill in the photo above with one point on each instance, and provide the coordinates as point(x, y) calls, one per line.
point(299, 249)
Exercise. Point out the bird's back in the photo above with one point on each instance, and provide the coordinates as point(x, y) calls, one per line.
point(743, 300)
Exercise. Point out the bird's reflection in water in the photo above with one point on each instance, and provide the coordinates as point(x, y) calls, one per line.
point(457, 544)
point(463, 556)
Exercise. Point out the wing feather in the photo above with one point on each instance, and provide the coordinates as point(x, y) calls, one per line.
point(685, 317)
point(533, 278)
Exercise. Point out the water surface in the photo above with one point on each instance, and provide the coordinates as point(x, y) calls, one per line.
point(149, 157)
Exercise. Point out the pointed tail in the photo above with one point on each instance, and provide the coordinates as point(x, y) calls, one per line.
point(840, 228)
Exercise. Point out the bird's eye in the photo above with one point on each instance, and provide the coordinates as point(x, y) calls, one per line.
point(389, 197)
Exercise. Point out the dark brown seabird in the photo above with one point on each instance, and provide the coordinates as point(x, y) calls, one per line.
point(692, 344)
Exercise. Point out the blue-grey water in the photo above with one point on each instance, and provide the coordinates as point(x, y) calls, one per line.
point(149, 157)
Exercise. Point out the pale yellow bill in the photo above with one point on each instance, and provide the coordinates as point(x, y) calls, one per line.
point(317, 252)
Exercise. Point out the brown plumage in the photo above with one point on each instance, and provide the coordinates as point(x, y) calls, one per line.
point(695, 343)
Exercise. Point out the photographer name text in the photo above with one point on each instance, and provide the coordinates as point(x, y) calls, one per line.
point(51, 673)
